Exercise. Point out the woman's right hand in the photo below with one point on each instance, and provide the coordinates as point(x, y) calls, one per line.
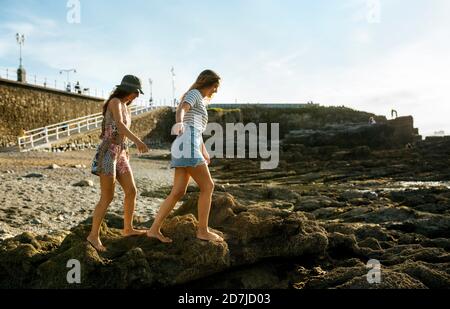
point(178, 129)
point(142, 148)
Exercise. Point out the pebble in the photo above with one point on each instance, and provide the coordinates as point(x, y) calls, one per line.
point(34, 175)
point(220, 188)
point(84, 183)
point(371, 195)
point(36, 221)
point(6, 236)
point(54, 167)
point(318, 271)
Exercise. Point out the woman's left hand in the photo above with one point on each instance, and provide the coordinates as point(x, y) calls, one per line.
point(207, 157)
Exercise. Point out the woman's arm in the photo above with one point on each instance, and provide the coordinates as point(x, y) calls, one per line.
point(115, 106)
point(182, 109)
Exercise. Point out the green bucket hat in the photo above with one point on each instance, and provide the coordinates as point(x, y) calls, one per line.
point(131, 83)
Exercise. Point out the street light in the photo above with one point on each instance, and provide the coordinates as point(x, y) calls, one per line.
point(21, 41)
point(67, 71)
point(21, 73)
point(151, 90)
point(173, 87)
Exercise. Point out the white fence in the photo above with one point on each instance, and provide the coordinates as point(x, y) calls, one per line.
point(43, 137)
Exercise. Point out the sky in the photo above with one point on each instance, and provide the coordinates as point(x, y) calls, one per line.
point(370, 55)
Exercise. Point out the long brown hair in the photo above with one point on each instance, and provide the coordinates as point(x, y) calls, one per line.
point(206, 79)
point(119, 94)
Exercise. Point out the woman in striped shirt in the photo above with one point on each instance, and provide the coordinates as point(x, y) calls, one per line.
point(189, 156)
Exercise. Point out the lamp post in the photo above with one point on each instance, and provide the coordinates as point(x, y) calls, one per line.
point(173, 87)
point(151, 90)
point(68, 71)
point(21, 73)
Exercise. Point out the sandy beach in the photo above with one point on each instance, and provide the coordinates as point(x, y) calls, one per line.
point(41, 199)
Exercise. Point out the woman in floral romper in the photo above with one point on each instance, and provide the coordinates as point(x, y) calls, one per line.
point(111, 160)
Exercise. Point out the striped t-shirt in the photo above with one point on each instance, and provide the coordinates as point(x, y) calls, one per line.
point(197, 115)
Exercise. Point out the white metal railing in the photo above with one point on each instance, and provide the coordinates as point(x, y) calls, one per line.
point(43, 136)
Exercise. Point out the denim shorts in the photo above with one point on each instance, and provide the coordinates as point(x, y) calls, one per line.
point(186, 150)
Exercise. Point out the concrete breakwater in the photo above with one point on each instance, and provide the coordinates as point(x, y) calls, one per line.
point(308, 125)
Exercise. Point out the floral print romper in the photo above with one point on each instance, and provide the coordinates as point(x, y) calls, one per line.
point(112, 156)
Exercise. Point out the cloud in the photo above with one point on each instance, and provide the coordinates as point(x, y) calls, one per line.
point(361, 36)
point(54, 46)
point(34, 29)
point(285, 62)
point(366, 11)
point(33, 26)
point(411, 77)
point(193, 44)
point(5, 47)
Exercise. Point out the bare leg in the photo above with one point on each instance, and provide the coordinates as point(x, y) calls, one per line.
point(203, 178)
point(181, 180)
point(129, 204)
point(107, 185)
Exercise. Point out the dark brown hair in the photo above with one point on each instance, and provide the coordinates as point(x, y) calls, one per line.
point(119, 94)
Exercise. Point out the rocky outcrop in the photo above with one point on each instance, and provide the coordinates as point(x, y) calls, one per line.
point(265, 247)
point(388, 205)
point(314, 222)
point(307, 117)
point(393, 133)
point(251, 234)
point(254, 232)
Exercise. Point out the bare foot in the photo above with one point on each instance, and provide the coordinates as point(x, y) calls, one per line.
point(96, 243)
point(209, 236)
point(133, 232)
point(158, 235)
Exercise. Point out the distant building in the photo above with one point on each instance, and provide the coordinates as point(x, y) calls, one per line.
point(439, 133)
point(266, 105)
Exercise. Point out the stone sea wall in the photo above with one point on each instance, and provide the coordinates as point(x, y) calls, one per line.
point(26, 107)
